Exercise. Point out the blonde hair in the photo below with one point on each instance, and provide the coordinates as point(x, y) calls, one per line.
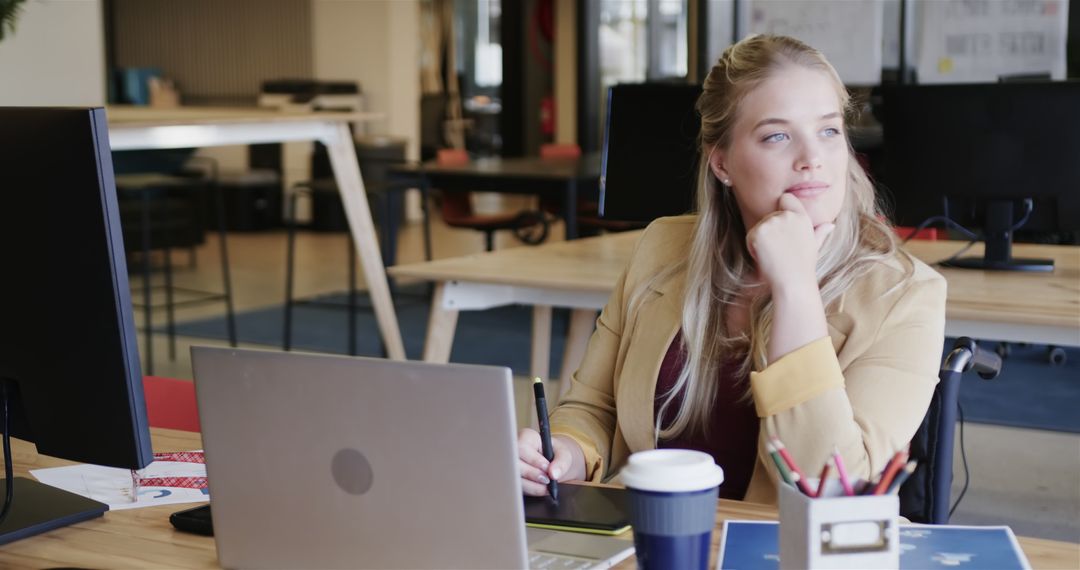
point(719, 265)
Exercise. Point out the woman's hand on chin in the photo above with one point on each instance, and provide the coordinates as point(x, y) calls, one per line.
point(785, 245)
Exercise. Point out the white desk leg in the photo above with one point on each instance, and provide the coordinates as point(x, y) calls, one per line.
point(441, 325)
point(351, 186)
point(582, 322)
point(541, 342)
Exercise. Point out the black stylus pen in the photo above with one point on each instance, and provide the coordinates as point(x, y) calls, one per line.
point(545, 432)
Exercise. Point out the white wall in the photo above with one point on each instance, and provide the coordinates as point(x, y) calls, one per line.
point(377, 43)
point(56, 55)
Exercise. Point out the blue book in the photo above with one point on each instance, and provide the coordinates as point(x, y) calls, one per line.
point(755, 545)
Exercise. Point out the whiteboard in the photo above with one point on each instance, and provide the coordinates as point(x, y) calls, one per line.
point(848, 32)
point(965, 41)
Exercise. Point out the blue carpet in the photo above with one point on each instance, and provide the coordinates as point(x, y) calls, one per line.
point(500, 337)
point(1029, 393)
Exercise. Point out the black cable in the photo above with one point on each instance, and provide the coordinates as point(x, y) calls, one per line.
point(963, 457)
point(1029, 206)
point(9, 491)
point(950, 223)
point(953, 257)
point(947, 221)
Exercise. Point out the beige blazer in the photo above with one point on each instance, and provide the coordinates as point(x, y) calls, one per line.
point(864, 389)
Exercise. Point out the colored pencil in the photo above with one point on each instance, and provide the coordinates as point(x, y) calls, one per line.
point(821, 480)
point(841, 472)
point(891, 469)
point(785, 473)
point(803, 485)
point(902, 476)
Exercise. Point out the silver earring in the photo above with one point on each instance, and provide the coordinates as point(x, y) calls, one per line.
point(727, 182)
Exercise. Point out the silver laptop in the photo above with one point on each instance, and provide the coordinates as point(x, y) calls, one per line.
point(318, 461)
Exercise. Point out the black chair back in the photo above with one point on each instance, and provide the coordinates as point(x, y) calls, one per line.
point(925, 496)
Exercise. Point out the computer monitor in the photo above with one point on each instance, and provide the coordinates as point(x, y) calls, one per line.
point(650, 155)
point(69, 361)
point(1002, 157)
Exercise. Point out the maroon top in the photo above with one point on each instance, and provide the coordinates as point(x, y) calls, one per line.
point(733, 424)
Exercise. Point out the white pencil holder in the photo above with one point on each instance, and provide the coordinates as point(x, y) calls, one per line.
point(837, 531)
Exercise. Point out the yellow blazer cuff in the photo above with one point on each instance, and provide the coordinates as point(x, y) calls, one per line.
point(594, 463)
point(798, 376)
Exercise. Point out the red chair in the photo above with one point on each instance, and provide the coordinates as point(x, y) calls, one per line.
point(457, 210)
point(170, 403)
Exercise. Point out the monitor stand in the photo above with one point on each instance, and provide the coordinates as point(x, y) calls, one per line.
point(38, 508)
point(998, 238)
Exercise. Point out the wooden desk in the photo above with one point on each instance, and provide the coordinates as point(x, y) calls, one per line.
point(1021, 307)
point(579, 274)
point(135, 538)
point(133, 128)
point(1012, 306)
point(143, 538)
point(529, 175)
point(1041, 553)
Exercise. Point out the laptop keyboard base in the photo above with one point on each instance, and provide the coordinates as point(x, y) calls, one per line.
point(545, 561)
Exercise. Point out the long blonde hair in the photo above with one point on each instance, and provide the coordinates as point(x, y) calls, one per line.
point(719, 265)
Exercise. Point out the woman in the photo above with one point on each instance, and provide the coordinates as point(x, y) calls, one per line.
point(783, 308)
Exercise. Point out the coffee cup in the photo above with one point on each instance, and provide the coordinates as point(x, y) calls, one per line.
point(673, 494)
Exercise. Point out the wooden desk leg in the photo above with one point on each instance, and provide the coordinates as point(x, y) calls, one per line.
point(570, 213)
point(541, 342)
point(440, 331)
point(539, 364)
point(351, 186)
point(582, 322)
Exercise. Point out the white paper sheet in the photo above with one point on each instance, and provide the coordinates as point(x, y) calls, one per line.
point(848, 32)
point(112, 486)
point(964, 41)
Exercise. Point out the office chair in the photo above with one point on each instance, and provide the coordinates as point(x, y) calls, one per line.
point(925, 496)
point(1055, 355)
point(529, 226)
point(374, 164)
point(170, 403)
point(307, 189)
point(161, 212)
point(590, 222)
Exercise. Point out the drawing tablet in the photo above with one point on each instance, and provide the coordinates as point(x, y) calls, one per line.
point(581, 508)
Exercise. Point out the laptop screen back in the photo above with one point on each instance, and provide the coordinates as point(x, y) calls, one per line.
point(332, 462)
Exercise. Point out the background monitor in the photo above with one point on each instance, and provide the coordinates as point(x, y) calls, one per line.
point(69, 360)
point(980, 151)
point(650, 155)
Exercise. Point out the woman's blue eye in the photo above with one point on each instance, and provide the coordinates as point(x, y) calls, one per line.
point(831, 131)
point(777, 137)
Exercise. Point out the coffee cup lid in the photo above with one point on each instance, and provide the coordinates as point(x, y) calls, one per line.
point(671, 471)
